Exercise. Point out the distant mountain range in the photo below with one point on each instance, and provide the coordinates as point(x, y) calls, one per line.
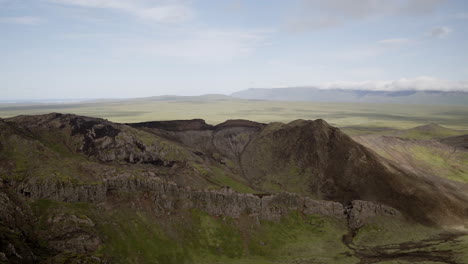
point(345, 95)
point(287, 94)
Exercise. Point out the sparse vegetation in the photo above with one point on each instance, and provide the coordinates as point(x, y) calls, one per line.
point(195, 237)
point(216, 110)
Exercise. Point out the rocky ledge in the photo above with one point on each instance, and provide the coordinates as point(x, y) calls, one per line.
point(168, 198)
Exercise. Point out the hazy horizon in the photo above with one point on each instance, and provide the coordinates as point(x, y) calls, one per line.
point(139, 48)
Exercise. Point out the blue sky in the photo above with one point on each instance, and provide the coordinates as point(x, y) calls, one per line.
point(136, 48)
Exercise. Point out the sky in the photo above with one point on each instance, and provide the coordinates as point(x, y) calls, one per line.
point(137, 48)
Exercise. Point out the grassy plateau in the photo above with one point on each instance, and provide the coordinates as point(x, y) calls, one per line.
point(216, 109)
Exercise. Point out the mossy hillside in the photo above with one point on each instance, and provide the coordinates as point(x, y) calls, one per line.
point(52, 158)
point(301, 238)
point(44, 209)
point(213, 236)
point(365, 130)
point(291, 178)
point(168, 150)
point(430, 131)
point(408, 262)
point(71, 258)
point(61, 141)
point(273, 171)
point(385, 231)
point(14, 156)
point(25, 156)
point(425, 132)
point(425, 157)
point(459, 247)
point(462, 248)
point(135, 236)
point(29, 158)
point(200, 238)
point(61, 138)
point(288, 176)
point(391, 238)
point(451, 165)
point(220, 177)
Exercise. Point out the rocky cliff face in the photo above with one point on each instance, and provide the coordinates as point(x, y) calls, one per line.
point(169, 198)
point(359, 212)
point(227, 139)
point(17, 238)
point(175, 125)
point(101, 139)
point(24, 239)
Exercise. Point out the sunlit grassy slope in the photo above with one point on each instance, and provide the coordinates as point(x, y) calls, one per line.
point(135, 236)
point(216, 109)
point(425, 157)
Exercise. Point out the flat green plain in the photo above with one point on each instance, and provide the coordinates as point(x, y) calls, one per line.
point(218, 109)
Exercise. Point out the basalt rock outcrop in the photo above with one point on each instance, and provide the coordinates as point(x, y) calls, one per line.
point(24, 239)
point(359, 212)
point(100, 139)
point(18, 242)
point(227, 139)
point(170, 198)
point(176, 125)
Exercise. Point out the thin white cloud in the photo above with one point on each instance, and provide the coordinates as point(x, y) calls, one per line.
point(440, 32)
point(22, 20)
point(423, 83)
point(202, 45)
point(394, 41)
point(302, 24)
point(168, 14)
point(155, 10)
point(319, 14)
point(461, 16)
point(365, 8)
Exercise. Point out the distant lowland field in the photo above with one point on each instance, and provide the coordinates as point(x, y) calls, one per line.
point(187, 192)
point(353, 117)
